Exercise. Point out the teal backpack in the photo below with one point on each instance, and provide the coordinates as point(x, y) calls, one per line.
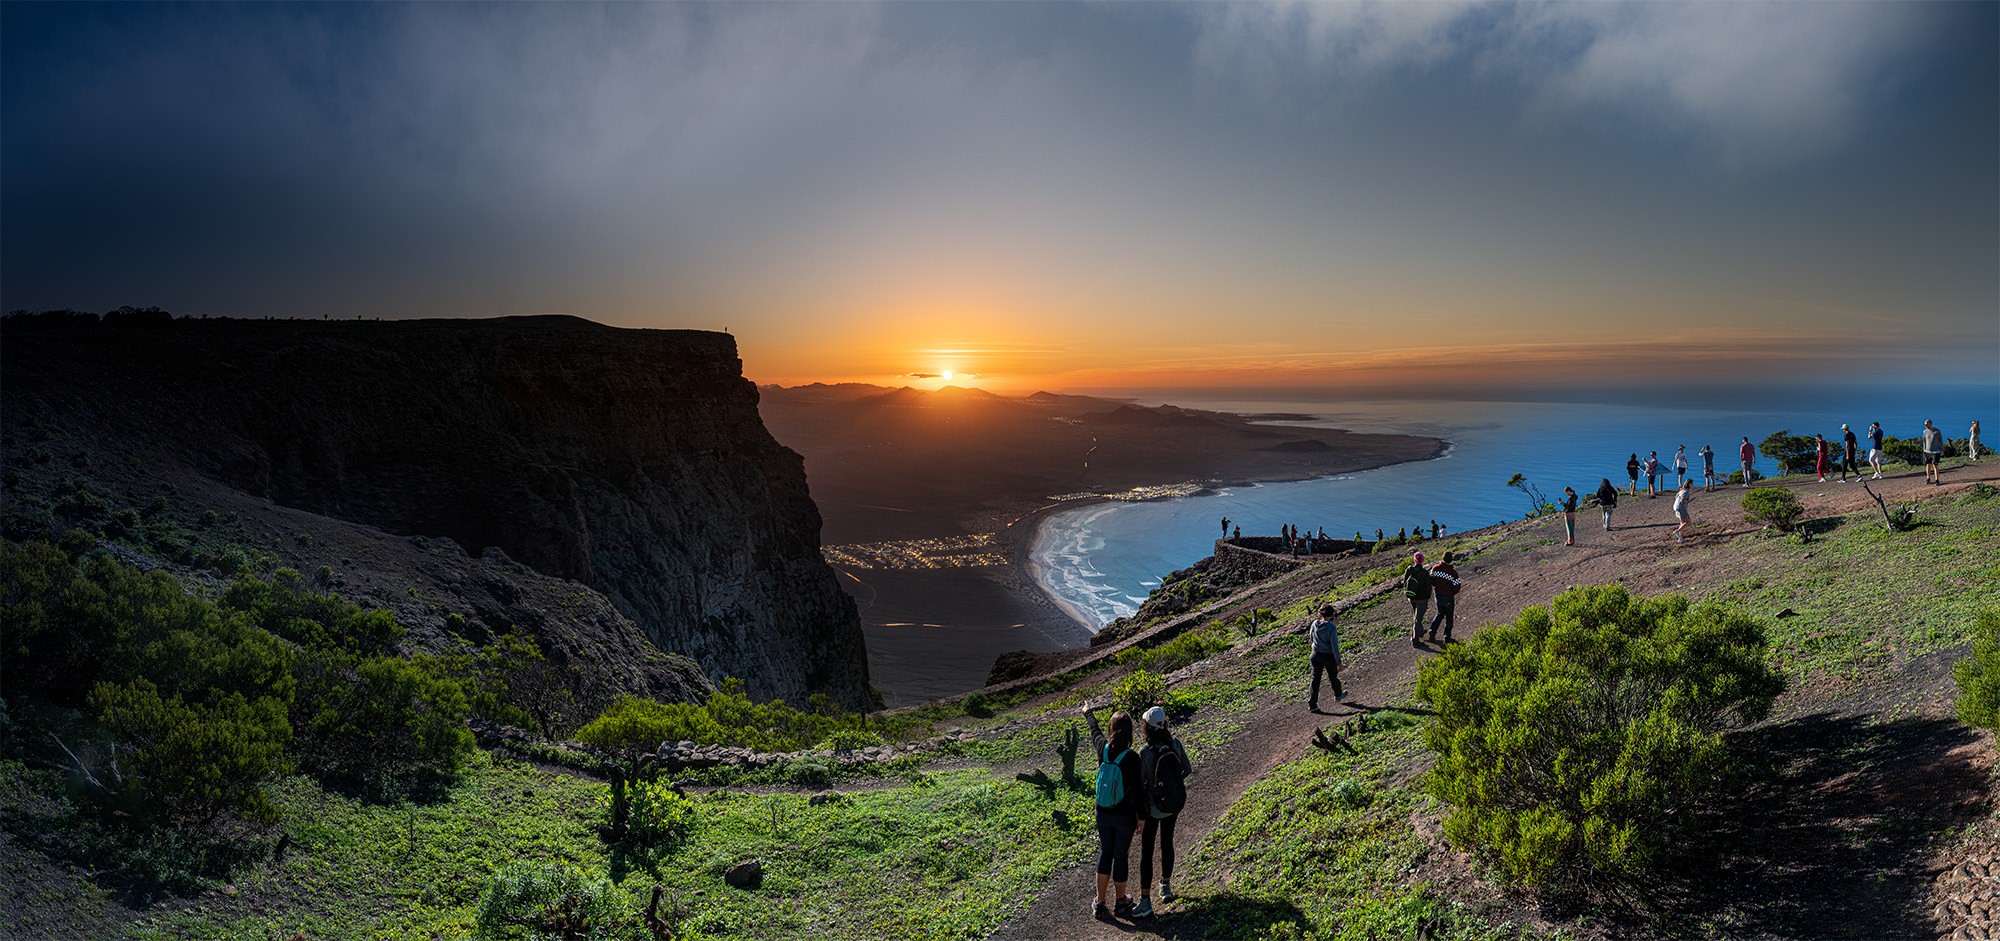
point(1110, 778)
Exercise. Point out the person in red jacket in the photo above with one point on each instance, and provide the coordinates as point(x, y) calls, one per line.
point(1749, 459)
point(1445, 585)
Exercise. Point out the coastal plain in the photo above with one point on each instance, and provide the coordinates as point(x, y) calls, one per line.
point(931, 501)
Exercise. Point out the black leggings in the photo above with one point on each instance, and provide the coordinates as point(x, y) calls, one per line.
point(1114, 843)
point(1164, 828)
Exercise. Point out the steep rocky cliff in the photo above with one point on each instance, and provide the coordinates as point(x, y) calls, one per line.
point(632, 461)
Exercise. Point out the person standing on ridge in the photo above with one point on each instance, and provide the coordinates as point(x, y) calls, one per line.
point(1652, 474)
point(1225, 527)
point(1933, 452)
point(1707, 468)
point(1875, 448)
point(1749, 461)
point(1819, 458)
point(1164, 766)
point(1121, 791)
point(1847, 464)
point(1972, 442)
point(1445, 584)
point(1607, 500)
point(1632, 471)
point(1681, 499)
point(1417, 588)
point(1325, 635)
point(1569, 516)
point(1681, 463)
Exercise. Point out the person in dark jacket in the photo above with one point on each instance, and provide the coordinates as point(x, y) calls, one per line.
point(1847, 464)
point(1417, 588)
point(1117, 822)
point(1607, 499)
point(1632, 471)
point(1445, 585)
point(1164, 761)
point(1569, 516)
point(1323, 635)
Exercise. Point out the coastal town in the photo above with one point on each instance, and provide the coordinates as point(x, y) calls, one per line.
point(948, 552)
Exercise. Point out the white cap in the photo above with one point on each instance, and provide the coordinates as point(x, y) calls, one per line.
point(1156, 717)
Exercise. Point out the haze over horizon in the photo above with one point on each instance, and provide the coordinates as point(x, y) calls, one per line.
point(1045, 196)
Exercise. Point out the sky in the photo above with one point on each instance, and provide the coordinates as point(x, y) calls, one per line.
point(1044, 195)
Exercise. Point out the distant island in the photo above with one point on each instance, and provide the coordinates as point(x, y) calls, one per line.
point(930, 501)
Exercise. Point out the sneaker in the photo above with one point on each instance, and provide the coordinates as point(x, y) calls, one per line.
point(1166, 891)
point(1433, 637)
point(1099, 911)
point(1123, 906)
point(1416, 642)
point(1144, 909)
point(1337, 697)
point(1312, 707)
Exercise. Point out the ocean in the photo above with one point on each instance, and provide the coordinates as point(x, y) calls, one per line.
point(1100, 561)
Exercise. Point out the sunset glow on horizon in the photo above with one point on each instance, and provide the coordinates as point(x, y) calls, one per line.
point(1025, 197)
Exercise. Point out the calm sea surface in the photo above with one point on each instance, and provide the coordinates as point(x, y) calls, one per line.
point(1102, 560)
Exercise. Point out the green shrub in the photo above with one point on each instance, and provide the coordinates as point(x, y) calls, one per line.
point(364, 716)
point(1189, 647)
point(978, 704)
point(658, 814)
point(1773, 506)
point(1572, 742)
point(1795, 454)
point(1138, 692)
point(1979, 675)
point(547, 900)
point(200, 760)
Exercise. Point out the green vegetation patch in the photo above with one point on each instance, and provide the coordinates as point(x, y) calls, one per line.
point(1322, 848)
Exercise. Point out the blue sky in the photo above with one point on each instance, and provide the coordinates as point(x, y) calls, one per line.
point(1048, 195)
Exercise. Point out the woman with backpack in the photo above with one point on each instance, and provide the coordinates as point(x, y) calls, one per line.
point(1607, 499)
point(1121, 791)
point(1164, 767)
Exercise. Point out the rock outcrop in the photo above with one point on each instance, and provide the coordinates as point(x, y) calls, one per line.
point(632, 461)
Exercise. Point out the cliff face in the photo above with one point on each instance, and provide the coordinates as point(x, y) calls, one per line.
point(633, 461)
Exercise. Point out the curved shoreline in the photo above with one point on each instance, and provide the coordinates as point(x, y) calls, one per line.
point(1028, 550)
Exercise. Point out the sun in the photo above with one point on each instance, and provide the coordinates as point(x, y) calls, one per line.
point(946, 374)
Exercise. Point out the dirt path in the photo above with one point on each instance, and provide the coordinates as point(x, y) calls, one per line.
point(1497, 587)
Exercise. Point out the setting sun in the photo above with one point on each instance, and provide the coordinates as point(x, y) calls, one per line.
point(946, 374)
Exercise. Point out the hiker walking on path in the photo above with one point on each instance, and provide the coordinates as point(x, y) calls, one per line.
point(1121, 791)
point(1444, 584)
point(1707, 468)
point(1652, 474)
point(1681, 499)
point(1417, 588)
point(1933, 452)
point(1972, 442)
point(1164, 768)
point(1819, 460)
point(1607, 498)
point(1325, 636)
point(1847, 465)
point(1875, 448)
point(1749, 460)
point(1681, 463)
point(1569, 516)
point(1632, 471)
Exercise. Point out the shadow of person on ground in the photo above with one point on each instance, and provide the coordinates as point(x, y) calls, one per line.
point(1230, 915)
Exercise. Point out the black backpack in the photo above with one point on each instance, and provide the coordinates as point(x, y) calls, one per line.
point(1166, 792)
point(1416, 582)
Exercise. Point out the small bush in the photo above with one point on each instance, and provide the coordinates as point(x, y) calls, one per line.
point(659, 814)
point(978, 704)
point(1352, 794)
point(1572, 742)
point(850, 739)
point(1979, 675)
point(1138, 692)
point(546, 900)
point(1773, 506)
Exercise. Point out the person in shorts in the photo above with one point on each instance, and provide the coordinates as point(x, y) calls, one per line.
point(1875, 448)
point(1933, 452)
point(1707, 467)
point(1681, 499)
